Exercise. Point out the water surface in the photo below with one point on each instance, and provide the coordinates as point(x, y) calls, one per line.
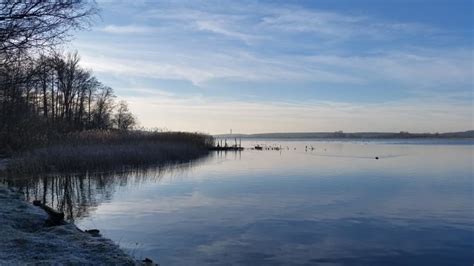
point(309, 203)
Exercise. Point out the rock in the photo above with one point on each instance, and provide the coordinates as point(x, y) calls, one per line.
point(93, 232)
point(148, 261)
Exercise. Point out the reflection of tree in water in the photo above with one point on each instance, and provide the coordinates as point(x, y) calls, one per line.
point(78, 194)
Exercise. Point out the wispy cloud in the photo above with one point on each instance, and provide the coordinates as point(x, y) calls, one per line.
point(215, 27)
point(210, 66)
point(336, 25)
point(410, 69)
point(419, 67)
point(269, 21)
point(127, 29)
point(298, 20)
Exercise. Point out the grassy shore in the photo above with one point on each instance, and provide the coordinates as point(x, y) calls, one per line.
point(104, 150)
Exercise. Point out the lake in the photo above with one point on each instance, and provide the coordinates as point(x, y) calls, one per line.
point(309, 203)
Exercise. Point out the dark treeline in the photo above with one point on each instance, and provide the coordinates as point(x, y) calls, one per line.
point(45, 93)
point(52, 95)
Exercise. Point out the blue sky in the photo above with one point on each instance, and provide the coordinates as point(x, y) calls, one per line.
point(279, 66)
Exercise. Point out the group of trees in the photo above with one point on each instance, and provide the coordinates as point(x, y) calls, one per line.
point(44, 92)
point(62, 94)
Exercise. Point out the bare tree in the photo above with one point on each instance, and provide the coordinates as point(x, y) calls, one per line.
point(123, 118)
point(104, 105)
point(40, 24)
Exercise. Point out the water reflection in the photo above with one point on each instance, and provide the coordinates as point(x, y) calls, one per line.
point(77, 195)
point(333, 205)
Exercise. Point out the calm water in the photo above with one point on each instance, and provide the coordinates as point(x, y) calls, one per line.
point(334, 205)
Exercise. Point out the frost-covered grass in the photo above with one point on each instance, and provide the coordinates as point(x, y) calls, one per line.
point(25, 239)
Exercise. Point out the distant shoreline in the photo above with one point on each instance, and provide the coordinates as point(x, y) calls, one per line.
point(356, 136)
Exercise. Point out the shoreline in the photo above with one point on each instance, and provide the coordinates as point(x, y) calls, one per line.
point(27, 240)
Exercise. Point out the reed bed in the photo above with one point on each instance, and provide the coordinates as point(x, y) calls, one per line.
point(104, 150)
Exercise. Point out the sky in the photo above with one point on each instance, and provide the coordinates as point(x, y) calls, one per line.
point(287, 66)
